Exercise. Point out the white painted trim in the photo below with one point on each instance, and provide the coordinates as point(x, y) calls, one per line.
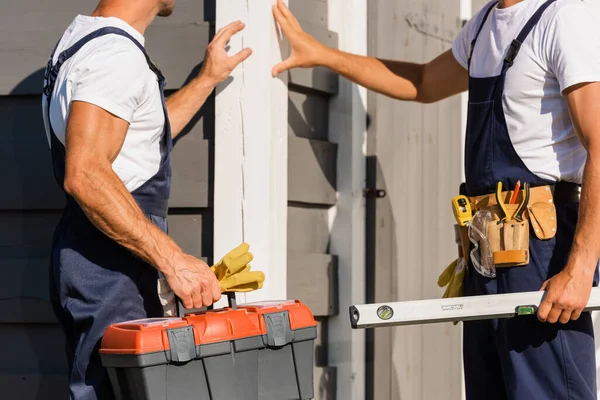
point(348, 129)
point(466, 12)
point(251, 163)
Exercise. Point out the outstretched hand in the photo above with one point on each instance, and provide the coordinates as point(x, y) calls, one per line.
point(306, 51)
point(218, 65)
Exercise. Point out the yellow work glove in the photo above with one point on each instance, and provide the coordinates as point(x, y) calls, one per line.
point(233, 271)
point(453, 277)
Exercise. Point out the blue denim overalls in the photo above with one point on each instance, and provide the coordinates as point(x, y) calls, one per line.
point(519, 358)
point(94, 282)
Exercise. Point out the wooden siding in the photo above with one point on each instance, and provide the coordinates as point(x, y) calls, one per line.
point(34, 365)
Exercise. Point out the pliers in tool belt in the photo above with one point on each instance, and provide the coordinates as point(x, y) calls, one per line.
point(518, 216)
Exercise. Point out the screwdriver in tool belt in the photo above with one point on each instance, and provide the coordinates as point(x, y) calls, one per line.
point(513, 199)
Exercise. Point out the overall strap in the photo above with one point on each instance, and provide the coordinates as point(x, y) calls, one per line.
point(474, 41)
point(52, 70)
point(516, 44)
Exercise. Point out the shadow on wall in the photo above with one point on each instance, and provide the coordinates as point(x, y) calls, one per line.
point(30, 209)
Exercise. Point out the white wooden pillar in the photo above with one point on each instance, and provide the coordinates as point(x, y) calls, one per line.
point(347, 347)
point(250, 197)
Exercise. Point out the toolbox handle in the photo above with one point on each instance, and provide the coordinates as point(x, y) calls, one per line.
point(231, 299)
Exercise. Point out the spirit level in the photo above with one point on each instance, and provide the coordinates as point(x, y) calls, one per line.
point(453, 309)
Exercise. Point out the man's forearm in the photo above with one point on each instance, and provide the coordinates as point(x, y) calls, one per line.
point(186, 102)
point(399, 80)
point(111, 208)
point(586, 246)
point(436, 80)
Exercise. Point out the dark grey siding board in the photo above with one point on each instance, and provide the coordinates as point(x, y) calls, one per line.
point(29, 181)
point(325, 383)
point(187, 231)
point(190, 185)
point(312, 171)
point(30, 31)
point(178, 63)
point(32, 349)
point(20, 310)
point(312, 279)
point(319, 79)
point(24, 278)
point(25, 158)
point(311, 11)
point(308, 229)
point(308, 115)
point(26, 234)
point(34, 386)
point(321, 343)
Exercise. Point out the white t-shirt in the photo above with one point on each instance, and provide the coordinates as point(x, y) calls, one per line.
point(561, 51)
point(111, 72)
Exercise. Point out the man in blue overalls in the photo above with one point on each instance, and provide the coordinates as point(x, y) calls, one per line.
point(111, 132)
point(532, 68)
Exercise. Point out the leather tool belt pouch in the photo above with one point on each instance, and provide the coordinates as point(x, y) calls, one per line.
point(461, 236)
point(509, 238)
point(509, 242)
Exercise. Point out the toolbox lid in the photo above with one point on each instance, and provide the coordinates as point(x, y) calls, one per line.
point(300, 316)
point(276, 320)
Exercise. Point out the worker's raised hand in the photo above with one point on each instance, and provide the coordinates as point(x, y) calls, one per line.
point(567, 294)
point(306, 51)
point(193, 281)
point(218, 65)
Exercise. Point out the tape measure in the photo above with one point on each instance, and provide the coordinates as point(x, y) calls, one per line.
point(462, 210)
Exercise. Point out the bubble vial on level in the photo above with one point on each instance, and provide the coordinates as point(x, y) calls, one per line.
point(526, 310)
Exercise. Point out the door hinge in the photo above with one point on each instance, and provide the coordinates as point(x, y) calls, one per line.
point(374, 193)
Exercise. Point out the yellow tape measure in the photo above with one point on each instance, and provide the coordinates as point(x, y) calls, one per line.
point(462, 210)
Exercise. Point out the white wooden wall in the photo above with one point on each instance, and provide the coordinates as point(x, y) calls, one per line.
point(419, 163)
point(251, 148)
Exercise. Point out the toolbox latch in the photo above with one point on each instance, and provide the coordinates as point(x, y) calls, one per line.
point(279, 332)
point(183, 348)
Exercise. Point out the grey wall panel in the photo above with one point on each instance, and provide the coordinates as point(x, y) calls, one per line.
point(312, 171)
point(186, 231)
point(29, 32)
point(29, 181)
point(311, 11)
point(28, 349)
point(308, 229)
point(178, 50)
point(26, 234)
point(312, 279)
point(319, 79)
point(321, 343)
point(308, 115)
point(189, 188)
point(23, 310)
point(34, 386)
point(25, 158)
point(24, 291)
point(325, 383)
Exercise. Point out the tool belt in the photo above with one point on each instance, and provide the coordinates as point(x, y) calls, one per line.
point(508, 237)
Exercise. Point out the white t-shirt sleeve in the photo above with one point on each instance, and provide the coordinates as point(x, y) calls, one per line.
point(110, 79)
point(573, 47)
point(461, 47)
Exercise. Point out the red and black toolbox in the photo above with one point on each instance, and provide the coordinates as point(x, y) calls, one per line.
point(255, 351)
